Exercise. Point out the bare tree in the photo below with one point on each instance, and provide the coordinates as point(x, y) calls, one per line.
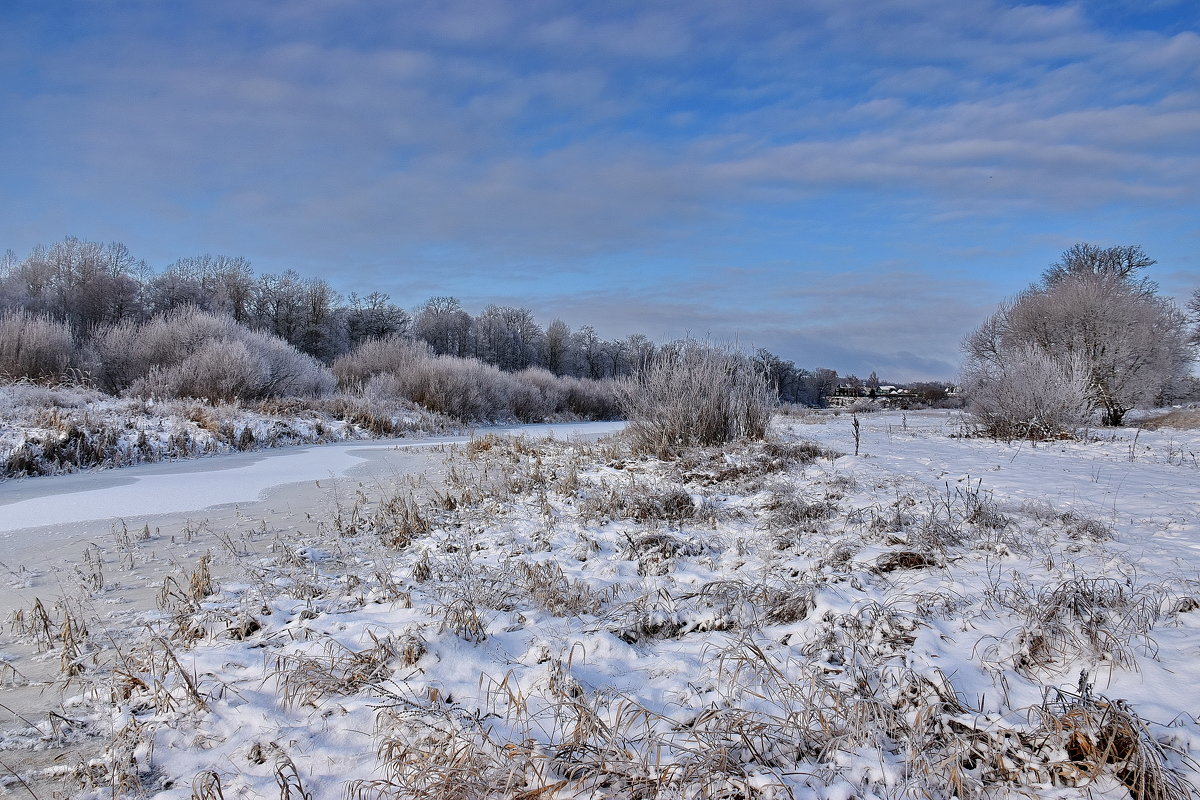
point(1120, 263)
point(509, 338)
point(84, 284)
point(819, 385)
point(224, 284)
point(590, 348)
point(277, 305)
point(1194, 308)
point(639, 353)
point(445, 326)
point(374, 317)
point(323, 334)
point(560, 353)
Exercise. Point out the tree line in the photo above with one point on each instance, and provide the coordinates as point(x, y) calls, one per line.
point(94, 287)
point(89, 285)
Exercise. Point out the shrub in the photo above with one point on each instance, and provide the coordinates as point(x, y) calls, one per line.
point(34, 347)
point(218, 370)
point(198, 354)
point(393, 355)
point(592, 399)
point(1029, 394)
point(468, 389)
point(694, 393)
point(864, 405)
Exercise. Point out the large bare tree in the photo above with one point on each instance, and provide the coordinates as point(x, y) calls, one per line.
point(1094, 309)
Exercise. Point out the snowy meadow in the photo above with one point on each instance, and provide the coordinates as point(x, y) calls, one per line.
point(940, 615)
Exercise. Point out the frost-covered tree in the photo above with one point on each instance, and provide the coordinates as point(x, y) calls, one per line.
point(639, 352)
point(84, 284)
point(560, 350)
point(1194, 308)
point(1094, 310)
point(509, 338)
point(591, 350)
point(443, 323)
point(819, 384)
point(278, 305)
point(223, 284)
point(374, 317)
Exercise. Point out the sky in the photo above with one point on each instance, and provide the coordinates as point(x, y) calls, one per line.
point(853, 185)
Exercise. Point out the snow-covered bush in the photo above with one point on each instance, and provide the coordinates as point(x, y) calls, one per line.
point(579, 397)
point(46, 430)
point(34, 347)
point(393, 355)
point(468, 389)
point(864, 405)
point(694, 393)
point(1028, 394)
point(461, 388)
point(543, 389)
point(592, 399)
point(219, 369)
point(197, 354)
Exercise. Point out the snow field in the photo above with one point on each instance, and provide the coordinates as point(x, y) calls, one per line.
point(939, 617)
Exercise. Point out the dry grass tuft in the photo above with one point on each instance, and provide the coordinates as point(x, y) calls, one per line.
point(1102, 737)
point(462, 618)
point(551, 590)
point(791, 512)
point(306, 680)
point(656, 553)
point(207, 786)
point(398, 520)
point(742, 462)
point(1093, 618)
point(287, 777)
point(904, 559)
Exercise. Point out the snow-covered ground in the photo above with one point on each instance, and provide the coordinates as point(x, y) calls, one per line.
point(937, 616)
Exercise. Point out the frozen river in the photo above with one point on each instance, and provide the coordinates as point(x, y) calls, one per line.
point(187, 486)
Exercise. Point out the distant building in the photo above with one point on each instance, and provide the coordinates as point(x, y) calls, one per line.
point(887, 395)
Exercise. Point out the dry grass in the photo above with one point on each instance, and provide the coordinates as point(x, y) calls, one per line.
point(812, 629)
point(1180, 418)
point(739, 464)
point(551, 590)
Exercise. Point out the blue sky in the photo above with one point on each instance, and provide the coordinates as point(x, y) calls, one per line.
point(852, 185)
